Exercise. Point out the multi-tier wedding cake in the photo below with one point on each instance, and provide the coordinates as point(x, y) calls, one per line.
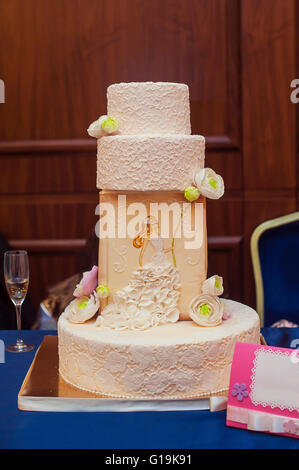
point(147, 323)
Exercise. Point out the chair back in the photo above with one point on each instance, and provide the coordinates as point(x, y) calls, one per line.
point(275, 259)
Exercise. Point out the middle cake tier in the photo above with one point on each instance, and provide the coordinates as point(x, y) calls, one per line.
point(149, 163)
point(152, 249)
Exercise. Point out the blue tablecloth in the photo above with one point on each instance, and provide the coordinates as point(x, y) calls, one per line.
point(149, 430)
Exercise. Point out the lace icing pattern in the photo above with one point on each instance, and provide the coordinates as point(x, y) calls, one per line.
point(132, 371)
point(273, 404)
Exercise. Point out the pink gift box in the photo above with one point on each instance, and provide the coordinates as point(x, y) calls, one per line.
point(264, 390)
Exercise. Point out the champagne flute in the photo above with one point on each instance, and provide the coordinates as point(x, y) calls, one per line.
point(16, 274)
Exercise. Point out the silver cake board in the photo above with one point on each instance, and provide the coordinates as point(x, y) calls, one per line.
point(44, 389)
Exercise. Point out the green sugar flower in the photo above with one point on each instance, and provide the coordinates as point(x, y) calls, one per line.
point(191, 193)
point(108, 124)
point(102, 291)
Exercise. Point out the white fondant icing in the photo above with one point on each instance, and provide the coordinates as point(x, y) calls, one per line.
point(146, 163)
point(150, 107)
point(121, 266)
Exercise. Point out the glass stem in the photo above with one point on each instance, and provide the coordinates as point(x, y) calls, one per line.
point(18, 313)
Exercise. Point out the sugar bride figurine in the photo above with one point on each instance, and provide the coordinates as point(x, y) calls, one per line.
point(152, 295)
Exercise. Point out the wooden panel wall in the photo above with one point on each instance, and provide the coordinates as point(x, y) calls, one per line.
point(268, 116)
point(238, 58)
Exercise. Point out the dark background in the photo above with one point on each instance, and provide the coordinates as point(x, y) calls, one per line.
point(57, 59)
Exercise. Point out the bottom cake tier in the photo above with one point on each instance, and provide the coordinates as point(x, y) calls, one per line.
point(173, 361)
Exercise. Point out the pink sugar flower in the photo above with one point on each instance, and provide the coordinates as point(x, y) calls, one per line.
point(88, 283)
point(226, 315)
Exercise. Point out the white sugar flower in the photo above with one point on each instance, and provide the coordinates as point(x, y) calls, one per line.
point(82, 309)
point(213, 285)
point(206, 310)
point(95, 129)
point(209, 183)
point(104, 125)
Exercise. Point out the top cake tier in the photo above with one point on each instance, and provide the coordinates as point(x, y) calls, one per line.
point(150, 107)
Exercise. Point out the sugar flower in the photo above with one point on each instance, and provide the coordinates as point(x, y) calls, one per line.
point(103, 125)
point(209, 183)
point(102, 291)
point(88, 283)
point(108, 124)
point(95, 129)
point(206, 310)
point(191, 193)
point(82, 309)
point(226, 315)
point(213, 285)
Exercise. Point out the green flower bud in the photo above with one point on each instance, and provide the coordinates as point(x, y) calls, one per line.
point(109, 125)
point(191, 193)
point(102, 291)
